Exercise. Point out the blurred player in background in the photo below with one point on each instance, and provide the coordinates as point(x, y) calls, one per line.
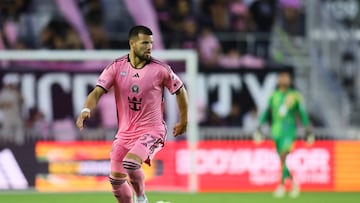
point(11, 103)
point(284, 105)
point(139, 81)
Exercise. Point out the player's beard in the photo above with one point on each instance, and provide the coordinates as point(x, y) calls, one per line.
point(142, 56)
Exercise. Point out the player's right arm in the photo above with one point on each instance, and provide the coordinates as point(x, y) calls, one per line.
point(89, 106)
point(264, 115)
point(258, 135)
point(104, 83)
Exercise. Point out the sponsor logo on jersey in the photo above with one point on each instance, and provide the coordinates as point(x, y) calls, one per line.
point(135, 103)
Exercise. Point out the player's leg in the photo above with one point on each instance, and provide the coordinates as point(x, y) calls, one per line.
point(144, 148)
point(285, 172)
point(132, 164)
point(288, 143)
point(118, 176)
point(284, 147)
point(280, 190)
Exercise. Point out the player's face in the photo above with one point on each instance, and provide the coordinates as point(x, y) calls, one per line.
point(142, 46)
point(284, 80)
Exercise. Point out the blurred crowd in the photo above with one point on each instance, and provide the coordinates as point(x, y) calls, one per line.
point(218, 29)
point(226, 34)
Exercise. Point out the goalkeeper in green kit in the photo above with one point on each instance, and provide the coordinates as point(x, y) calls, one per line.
point(285, 104)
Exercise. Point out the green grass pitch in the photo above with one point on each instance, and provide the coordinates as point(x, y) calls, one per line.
point(101, 197)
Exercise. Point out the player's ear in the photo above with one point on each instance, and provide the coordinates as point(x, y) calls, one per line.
point(132, 42)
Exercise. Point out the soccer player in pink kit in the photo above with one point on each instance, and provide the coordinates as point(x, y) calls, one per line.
point(138, 81)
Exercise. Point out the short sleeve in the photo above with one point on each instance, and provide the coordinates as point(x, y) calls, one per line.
point(172, 81)
point(107, 77)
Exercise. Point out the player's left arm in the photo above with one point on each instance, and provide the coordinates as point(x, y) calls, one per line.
point(302, 110)
point(182, 102)
point(309, 135)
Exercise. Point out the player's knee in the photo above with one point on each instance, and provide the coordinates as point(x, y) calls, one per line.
point(131, 164)
point(121, 189)
point(117, 179)
point(116, 183)
point(283, 156)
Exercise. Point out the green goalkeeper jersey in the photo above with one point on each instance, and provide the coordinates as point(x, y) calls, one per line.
point(284, 107)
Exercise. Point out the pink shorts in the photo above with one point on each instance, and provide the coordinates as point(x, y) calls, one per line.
point(145, 147)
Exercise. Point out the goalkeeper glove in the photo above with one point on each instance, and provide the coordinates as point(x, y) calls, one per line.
point(309, 136)
point(258, 136)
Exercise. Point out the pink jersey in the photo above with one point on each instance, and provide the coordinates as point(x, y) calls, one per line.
point(139, 96)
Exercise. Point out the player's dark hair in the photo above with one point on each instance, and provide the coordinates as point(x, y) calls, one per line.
point(286, 73)
point(291, 75)
point(139, 29)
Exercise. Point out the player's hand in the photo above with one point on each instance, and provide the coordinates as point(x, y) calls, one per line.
point(179, 128)
point(81, 118)
point(258, 136)
point(309, 136)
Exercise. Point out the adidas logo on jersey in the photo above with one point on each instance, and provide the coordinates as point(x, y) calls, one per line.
point(136, 75)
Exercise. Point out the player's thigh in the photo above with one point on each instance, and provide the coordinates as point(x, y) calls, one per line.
point(117, 154)
point(147, 146)
point(284, 144)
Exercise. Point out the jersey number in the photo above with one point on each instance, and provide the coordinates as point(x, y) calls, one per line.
point(151, 142)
